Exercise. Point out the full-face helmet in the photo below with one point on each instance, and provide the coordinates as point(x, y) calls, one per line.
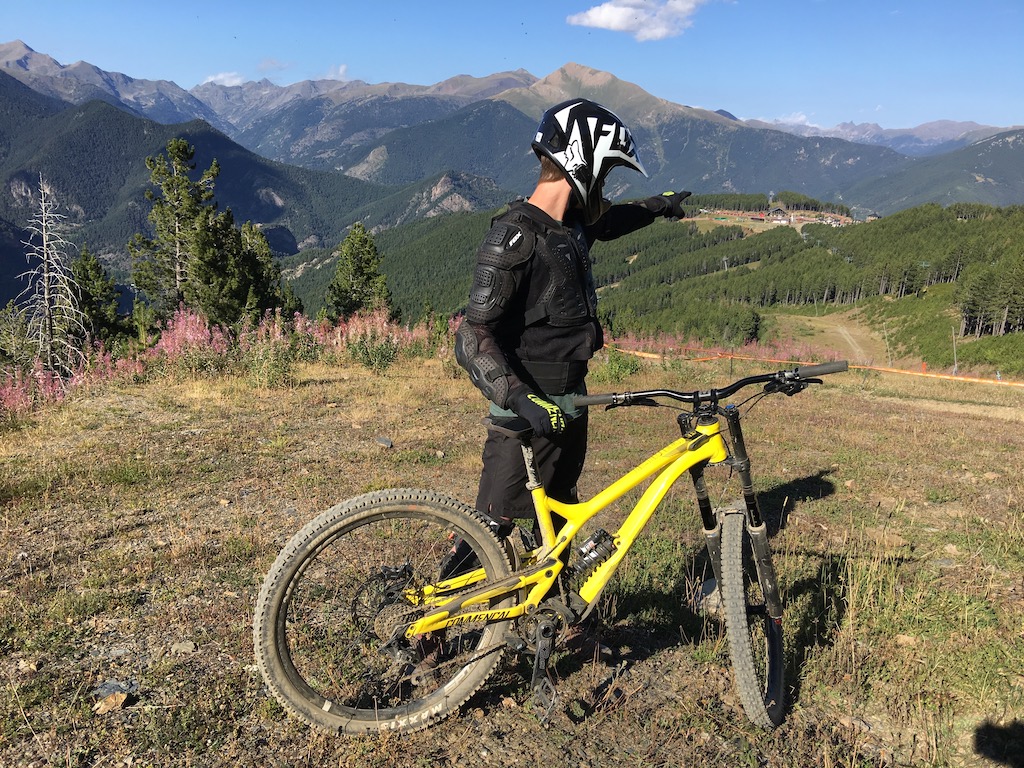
point(586, 141)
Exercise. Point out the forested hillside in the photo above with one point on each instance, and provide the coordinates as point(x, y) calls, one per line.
point(94, 156)
point(692, 278)
point(974, 247)
point(989, 171)
point(716, 284)
point(428, 264)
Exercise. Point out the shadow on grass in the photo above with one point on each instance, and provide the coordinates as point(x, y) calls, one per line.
point(673, 615)
point(816, 607)
point(1002, 743)
point(776, 503)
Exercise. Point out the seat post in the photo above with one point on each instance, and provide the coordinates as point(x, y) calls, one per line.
point(532, 480)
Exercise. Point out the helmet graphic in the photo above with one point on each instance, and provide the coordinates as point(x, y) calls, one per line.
point(586, 141)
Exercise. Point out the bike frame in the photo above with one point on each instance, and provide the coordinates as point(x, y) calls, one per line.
point(698, 447)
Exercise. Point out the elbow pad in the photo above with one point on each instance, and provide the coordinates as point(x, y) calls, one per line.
point(489, 374)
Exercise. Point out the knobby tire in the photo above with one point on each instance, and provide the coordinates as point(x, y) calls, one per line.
point(328, 625)
point(755, 639)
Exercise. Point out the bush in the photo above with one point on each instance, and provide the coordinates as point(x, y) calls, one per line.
point(617, 367)
point(267, 352)
point(190, 346)
point(374, 351)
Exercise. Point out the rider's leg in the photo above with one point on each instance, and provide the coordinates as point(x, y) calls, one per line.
point(503, 495)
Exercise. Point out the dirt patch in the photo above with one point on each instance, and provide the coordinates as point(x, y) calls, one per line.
point(842, 332)
point(980, 411)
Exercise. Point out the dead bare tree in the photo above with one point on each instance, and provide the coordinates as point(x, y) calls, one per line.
point(55, 323)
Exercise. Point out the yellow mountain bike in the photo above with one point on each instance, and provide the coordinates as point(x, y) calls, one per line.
point(388, 611)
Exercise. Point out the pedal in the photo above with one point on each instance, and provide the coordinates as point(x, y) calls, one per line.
point(545, 697)
point(544, 694)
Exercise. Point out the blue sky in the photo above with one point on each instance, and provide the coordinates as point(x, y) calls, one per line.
point(898, 63)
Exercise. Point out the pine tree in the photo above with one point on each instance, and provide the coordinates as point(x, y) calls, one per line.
point(181, 217)
point(291, 304)
point(358, 285)
point(235, 276)
point(99, 297)
point(198, 257)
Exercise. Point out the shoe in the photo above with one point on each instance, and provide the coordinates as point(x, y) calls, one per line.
point(461, 559)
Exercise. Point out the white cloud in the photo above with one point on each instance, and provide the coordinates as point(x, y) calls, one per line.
point(795, 118)
point(339, 72)
point(643, 19)
point(225, 78)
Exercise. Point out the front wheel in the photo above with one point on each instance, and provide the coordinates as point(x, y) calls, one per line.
point(755, 638)
point(329, 621)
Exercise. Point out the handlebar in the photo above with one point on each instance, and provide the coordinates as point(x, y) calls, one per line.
point(789, 382)
point(822, 369)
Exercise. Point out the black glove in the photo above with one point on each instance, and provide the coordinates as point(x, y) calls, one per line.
point(669, 204)
point(545, 417)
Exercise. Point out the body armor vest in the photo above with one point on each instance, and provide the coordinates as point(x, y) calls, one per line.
point(569, 296)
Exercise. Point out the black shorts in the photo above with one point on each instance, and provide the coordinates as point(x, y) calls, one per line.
point(560, 458)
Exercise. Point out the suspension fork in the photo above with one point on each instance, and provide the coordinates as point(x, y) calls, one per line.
point(712, 525)
point(756, 527)
point(740, 463)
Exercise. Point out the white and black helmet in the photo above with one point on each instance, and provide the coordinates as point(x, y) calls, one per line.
point(586, 141)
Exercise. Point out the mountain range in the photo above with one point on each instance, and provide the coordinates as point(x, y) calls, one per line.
point(307, 160)
point(934, 138)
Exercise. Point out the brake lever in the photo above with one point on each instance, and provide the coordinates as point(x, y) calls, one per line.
point(789, 388)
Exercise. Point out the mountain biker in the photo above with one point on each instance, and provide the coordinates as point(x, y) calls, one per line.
point(531, 324)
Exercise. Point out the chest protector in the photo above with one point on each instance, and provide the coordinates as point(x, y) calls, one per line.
point(563, 292)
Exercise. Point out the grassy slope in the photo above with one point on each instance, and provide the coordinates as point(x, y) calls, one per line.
point(901, 333)
point(137, 522)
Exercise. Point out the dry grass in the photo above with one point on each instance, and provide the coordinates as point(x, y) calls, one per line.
point(137, 522)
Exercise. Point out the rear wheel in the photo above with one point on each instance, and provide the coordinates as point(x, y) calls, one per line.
point(755, 638)
point(330, 619)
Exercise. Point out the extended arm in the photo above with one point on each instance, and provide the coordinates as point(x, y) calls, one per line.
point(624, 218)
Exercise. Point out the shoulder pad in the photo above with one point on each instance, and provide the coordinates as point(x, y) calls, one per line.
point(505, 245)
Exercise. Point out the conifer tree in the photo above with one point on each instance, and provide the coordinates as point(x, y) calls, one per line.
point(99, 297)
point(182, 212)
point(358, 285)
point(198, 257)
point(236, 275)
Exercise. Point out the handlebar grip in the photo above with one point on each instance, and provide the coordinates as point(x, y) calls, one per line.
point(581, 401)
point(811, 371)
